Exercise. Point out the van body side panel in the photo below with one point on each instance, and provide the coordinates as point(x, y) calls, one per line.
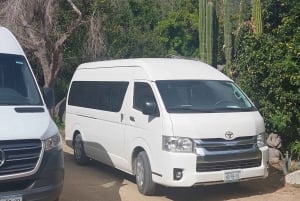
point(103, 137)
point(102, 131)
point(142, 130)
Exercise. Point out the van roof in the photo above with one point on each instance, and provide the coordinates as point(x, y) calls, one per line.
point(8, 43)
point(164, 68)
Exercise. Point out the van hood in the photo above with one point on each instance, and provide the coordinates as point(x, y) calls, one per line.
point(25, 124)
point(215, 125)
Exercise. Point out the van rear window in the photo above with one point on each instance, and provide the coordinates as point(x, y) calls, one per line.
point(107, 96)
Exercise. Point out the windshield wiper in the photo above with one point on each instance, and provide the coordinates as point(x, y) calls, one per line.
point(189, 109)
point(208, 110)
point(236, 109)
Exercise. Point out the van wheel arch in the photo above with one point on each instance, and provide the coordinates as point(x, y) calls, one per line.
point(78, 147)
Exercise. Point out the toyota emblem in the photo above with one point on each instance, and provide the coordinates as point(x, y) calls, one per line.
point(2, 157)
point(229, 135)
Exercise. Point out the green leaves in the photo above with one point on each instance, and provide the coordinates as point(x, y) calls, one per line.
point(178, 31)
point(129, 29)
point(268, 69)
point(295, 148)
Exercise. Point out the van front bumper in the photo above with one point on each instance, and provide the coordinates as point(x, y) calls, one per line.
point(187, 163)
point(45, 185)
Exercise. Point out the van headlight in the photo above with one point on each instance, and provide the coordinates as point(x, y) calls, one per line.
point(261, 140)
point(177, 144)
point(52, 142)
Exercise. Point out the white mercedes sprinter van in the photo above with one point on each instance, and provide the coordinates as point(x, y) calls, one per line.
point(173, 122)
point(31, 156)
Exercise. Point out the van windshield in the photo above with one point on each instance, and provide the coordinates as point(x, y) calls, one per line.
point(17, 85)
point(207, 96)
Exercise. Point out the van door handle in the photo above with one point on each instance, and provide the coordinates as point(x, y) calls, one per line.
point(131, 118)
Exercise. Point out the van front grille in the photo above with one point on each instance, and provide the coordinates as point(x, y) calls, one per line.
point(228, 165)
point(219, 144)
point(215, 154)
point(19, 156)
point(230, 148)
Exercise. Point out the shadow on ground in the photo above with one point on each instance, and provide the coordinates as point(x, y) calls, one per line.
point(93, 182)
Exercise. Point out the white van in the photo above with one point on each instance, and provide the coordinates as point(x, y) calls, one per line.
point(173, 122)
point(31, 156)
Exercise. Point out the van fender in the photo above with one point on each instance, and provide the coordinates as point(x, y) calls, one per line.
point(138, 145)
point(74, 130)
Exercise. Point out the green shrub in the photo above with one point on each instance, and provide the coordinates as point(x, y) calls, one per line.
point(60, 124)
point(269, 72)
point(295, 149)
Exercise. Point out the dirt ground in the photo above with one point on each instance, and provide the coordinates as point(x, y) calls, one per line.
point(97, 182)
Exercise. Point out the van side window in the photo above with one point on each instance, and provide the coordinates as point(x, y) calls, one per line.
point(107, 96)
point(142, 93)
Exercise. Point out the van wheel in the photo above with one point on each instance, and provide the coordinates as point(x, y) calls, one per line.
point(79, 154)
point(144, 174)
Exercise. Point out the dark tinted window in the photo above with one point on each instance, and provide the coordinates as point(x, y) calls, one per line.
point(106, 96)
point(142, 93)
point(17, 85)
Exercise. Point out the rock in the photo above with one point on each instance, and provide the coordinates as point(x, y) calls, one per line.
point(274, 140)
point(274, 155)
point(293, 178)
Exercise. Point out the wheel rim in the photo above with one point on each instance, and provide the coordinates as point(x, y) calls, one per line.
point(78, 148)
point(140, 178)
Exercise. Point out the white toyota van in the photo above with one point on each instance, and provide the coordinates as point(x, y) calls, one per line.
point(31, 156)
point(173, 122)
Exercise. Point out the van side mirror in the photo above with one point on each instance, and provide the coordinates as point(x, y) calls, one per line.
point(150, 108)
point(48, 94)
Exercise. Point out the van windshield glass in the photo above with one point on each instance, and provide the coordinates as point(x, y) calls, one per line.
point(17, 86)
point(207, 96)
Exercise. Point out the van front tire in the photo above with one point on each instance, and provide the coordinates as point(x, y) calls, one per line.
point(79, 154)
point(144, 174)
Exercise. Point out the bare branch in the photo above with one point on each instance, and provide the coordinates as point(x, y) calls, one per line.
point(75, 7)
point(72, 27)
point(47, 20)
point(34, 22)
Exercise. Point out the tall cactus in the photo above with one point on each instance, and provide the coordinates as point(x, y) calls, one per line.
point(243, 14)
point(211, 34)
point(228, 32)
point(244, 17)
point(202, 29)
point(257, 19)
